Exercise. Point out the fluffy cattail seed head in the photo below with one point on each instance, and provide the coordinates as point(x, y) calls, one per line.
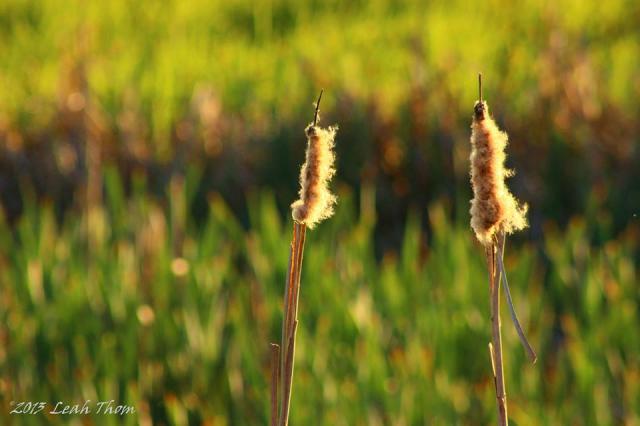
point(316, 201)
point(493, 207)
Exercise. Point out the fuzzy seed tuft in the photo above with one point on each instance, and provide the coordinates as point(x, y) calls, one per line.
point(493, 207)
point(316, 201)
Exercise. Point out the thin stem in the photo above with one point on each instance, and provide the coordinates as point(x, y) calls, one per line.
point(479, 107)
point(514, 317)
point(496, 338)
point(315, 116)
point(290, 321)
point(275, 372)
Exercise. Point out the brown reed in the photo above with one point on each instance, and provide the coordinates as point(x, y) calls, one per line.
point(495, 213)
point(315, 204)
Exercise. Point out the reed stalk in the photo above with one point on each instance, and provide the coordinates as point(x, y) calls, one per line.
point(275, 373)
point(495, 347)
point(290, 321)
point(315, 204)
point(495, 213)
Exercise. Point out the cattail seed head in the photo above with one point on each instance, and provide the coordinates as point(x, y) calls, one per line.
point(493, 207)
point(316, 201)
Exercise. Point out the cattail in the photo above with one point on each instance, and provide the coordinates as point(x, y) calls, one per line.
point(493, 208)
point(316, 201)
point(315, 204)
point(494, 214)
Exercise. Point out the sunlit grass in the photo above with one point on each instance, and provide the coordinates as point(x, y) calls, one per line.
point(394, 339)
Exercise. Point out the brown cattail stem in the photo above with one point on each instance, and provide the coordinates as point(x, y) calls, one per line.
point(290, 321)
point(282, 357)
point(495, 347)
point(275, 373)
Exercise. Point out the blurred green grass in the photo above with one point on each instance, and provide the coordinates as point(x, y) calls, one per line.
point(175, 317)
point(270, 57)
point(169, 301)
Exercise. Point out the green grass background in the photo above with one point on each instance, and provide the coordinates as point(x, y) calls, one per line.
point(394, 315)
point(399, 341)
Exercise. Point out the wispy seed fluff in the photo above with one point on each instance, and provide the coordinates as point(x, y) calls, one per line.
point(316, 202)
point(493, 207)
